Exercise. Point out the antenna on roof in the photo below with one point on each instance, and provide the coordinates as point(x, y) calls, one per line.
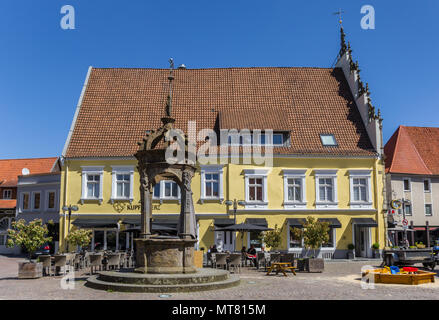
point(170, 78)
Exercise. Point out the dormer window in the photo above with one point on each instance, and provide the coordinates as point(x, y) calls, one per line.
point(253, 138)
point(328, 140)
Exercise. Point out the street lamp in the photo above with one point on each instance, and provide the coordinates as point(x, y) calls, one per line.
point(235, 206)
point(70, 209)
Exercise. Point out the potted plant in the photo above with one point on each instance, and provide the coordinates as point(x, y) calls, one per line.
point(30, 236)
point(314, 234)
point(79, 238)
point(272, 238)
point(376, 250)
point(351, 252)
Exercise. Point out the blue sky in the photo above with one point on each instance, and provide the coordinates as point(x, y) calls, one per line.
point(43, 67)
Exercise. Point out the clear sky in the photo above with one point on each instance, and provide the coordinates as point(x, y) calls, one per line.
point(43, 67)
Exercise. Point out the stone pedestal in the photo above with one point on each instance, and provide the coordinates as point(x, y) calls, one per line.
point(156, 255)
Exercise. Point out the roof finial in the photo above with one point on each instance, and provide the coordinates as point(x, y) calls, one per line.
point(170, 78)
point(343, 46)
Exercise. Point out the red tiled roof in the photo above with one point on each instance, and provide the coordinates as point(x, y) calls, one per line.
point(10, 169)
point(120, 104)
point(413, 150)
point(8, 204)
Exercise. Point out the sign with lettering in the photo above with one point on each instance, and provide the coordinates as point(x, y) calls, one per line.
point(120, 207)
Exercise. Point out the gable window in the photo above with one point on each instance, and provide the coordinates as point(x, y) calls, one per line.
point(211, 183)
point(294, 188)
point(7, 194)
point(407, 186)
point(326, 188)
point(255, 138)
point(360, 188)
point(256, 188)
point(427, 185)
point(92, 183)
point(428, 210)
point(328, 140)
point(36, 200)
point(122, 183)
point(166, 190)
point(25, 201)
point(51, 200)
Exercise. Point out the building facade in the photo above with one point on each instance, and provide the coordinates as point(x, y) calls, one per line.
point(38, 198)
point(326, 154)
point(412, 173)
point(10, 170)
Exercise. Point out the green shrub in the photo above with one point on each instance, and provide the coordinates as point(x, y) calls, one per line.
point(351, 246)
point(376, 246)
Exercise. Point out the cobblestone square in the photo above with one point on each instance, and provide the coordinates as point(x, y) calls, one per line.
point(340, 280)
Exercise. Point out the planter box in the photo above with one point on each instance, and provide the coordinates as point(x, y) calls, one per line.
point(351, 254)
point(316, 265)
point(311, 265)
point(30, 270)
point(376, 253)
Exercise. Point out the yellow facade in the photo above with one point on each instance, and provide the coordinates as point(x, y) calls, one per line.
point(234, 188)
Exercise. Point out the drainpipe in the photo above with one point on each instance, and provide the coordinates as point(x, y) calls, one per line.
point(65, 203)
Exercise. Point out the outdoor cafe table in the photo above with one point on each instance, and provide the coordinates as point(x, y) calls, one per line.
point(281, 266)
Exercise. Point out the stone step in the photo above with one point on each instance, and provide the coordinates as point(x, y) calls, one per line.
point(94, 282)
point(205, 275)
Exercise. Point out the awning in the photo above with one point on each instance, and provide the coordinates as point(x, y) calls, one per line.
point(96, 223)
point(223, 222)
point(159, 221)
point(399, 229)
point(257, 221)
point(423, 228)
point(365, 222)
point(296, 222)
point(333, 222)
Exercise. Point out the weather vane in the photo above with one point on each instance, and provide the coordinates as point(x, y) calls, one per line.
point(339, 13)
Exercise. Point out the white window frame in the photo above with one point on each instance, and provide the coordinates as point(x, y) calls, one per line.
point(22, 209)
point(92, 170)
point(211, 169)
point(294, 174)
point(326, 174)
point(7, 191)
point(33, 201)
point(410, 185)
point(425, 211)
point(162, 193)
point(125, 170)
point(55, 203)
point(429, 186)
point(257, 174)
point(360, 174)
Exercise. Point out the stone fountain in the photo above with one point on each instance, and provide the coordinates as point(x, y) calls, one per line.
point(165, 263)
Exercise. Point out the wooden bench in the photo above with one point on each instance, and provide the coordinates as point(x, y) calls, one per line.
point(281, 267)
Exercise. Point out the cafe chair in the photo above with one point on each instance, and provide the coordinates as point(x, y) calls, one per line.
point(221, 260)
point(235, 262)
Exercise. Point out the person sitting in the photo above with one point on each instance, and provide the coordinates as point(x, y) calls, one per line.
point(214, 249)
point(251, 255)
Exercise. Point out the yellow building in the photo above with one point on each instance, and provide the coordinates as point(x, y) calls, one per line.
point(326, 161)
